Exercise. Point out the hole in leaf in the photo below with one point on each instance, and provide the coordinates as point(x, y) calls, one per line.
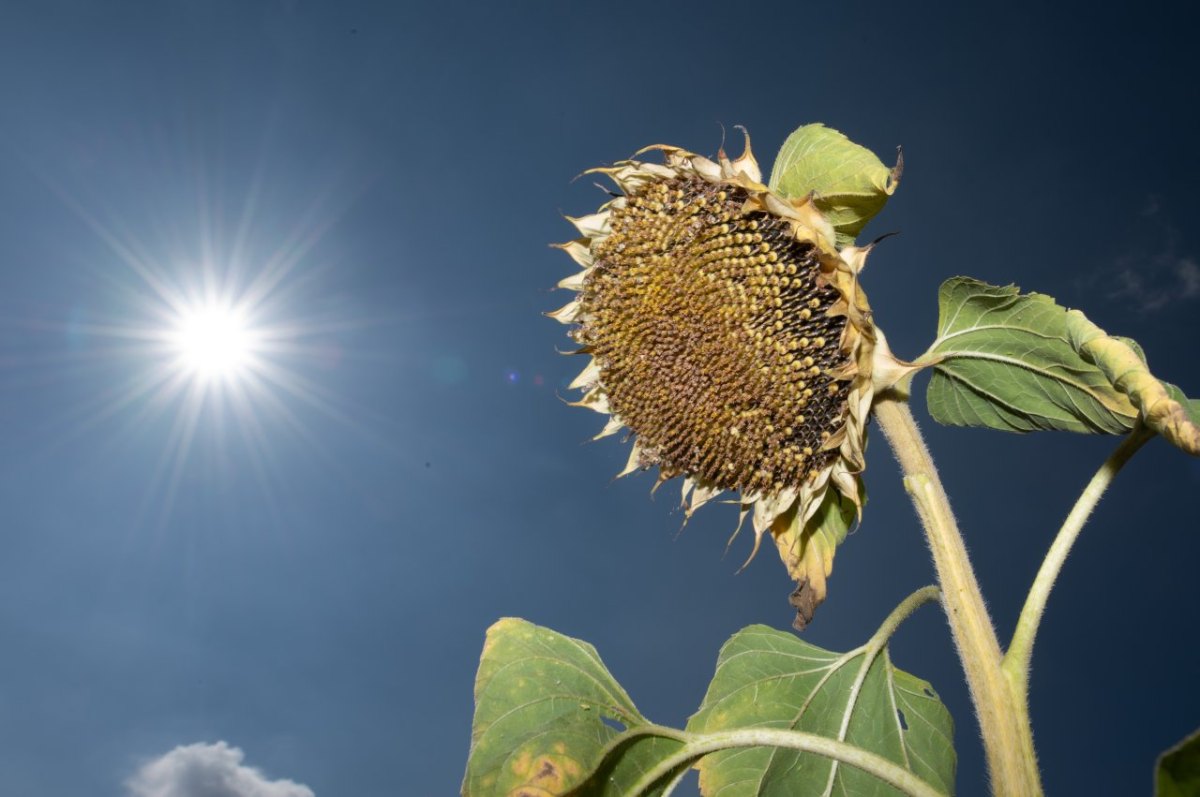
point(900, 715)
point(930, 693)
point(615, 724)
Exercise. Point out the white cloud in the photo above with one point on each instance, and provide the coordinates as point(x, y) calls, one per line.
point(1153, 282)
point(1189, 277)
point(207, 770)
point(1155, 271)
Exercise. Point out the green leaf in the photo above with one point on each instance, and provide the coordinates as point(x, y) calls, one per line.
point(1004, 361)
point(770, 679)
point(1162, 407)
point(541, 704)
point(851, 183)
point(1190, 405)
point(1178, 773)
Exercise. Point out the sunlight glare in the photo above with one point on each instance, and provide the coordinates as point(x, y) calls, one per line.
point(213, 342)
point(226, 343)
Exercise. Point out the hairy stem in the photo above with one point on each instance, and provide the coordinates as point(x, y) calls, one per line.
point(700, 745)
point(901, 613)
point(1003, 719)
point(1020, 651)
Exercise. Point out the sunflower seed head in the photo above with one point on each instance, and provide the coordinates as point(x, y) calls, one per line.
point(713, 332)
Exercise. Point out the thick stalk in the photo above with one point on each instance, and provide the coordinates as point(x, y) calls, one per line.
point(1003, 719)
point(1020, 651)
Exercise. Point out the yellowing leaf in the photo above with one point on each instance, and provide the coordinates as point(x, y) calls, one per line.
point(808, 553)
point(1164, 408)
point(850, 182)
point(541, 704)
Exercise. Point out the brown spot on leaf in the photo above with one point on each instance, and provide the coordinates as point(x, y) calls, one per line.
point(805, 601)
point(546, 775)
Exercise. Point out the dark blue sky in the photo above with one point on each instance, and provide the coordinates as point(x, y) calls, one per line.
point(314, 589)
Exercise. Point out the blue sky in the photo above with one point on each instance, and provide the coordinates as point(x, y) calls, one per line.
point(308, 579)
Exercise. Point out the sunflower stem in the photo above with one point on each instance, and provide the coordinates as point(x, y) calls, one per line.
point(700, 745)
point(1003, 718)
point(901, 613)
point(1020, 650)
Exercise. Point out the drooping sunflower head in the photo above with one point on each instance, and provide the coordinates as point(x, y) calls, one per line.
point(730, 336)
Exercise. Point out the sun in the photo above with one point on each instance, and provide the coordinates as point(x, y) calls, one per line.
point(214, 341)
point(216, 324)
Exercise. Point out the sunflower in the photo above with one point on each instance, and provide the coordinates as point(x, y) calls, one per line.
point(730, 336)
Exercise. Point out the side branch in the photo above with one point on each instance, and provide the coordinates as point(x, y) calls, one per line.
point(702, 744)
point(1016, 660)
point(901, 613)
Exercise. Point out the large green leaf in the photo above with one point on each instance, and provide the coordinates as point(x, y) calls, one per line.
point(545, 707)
point(770, 679)
point(850, 182)
point(1005, 361)
point(1178, 773)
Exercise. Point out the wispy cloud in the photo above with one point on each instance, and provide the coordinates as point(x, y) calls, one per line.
point(1155, 282)
point(1157, 275)
point(207, 770)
